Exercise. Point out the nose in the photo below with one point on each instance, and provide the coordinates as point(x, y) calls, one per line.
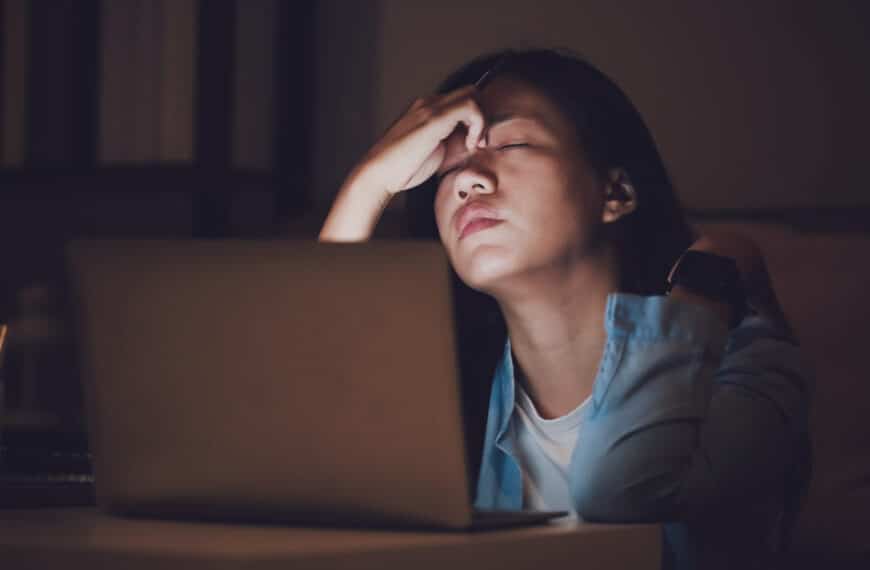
point(474, 179)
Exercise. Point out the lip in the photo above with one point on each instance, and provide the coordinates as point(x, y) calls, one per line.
point(474, 217)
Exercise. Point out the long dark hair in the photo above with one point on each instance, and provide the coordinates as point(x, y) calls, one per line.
point(612, 135)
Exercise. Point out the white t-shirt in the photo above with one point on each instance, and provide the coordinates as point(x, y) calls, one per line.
point(544, 450)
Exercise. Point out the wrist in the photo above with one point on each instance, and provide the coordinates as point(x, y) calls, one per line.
point(721, 309)
point(710, 279)
point(362, 186)
point(356, 210)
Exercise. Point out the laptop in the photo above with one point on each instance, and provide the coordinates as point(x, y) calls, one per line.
point(285, 381)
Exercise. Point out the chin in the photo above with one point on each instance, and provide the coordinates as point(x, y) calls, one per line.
point(485, 267)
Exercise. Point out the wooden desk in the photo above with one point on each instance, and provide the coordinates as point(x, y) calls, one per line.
point(85, 538)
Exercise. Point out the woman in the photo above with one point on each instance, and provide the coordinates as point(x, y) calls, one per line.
point(610, 399)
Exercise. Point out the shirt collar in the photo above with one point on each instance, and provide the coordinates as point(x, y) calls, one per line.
point(504, 384)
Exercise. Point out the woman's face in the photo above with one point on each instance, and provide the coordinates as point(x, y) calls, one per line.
point(523, 203)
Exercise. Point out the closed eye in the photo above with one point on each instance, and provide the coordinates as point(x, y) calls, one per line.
point(443, 175)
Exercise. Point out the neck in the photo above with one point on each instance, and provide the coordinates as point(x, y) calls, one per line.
point(555, 321)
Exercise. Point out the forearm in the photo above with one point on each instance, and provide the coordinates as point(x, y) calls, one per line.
point(677, 428)
point(355, 212)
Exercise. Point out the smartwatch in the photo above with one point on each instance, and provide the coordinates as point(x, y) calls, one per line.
point(712, 276)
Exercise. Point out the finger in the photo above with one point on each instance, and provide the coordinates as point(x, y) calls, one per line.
point(475, 126)
point(442, 101)
point(456, 94)
point(418, 102)
point(465, 112)
point(448, 101)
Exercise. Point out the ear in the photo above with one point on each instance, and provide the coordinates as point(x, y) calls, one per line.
point(620, 197)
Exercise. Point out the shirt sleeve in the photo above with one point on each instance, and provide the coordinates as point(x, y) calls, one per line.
point(686, 416)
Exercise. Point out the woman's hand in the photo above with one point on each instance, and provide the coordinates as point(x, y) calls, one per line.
point(413, 148)
point(409, 153)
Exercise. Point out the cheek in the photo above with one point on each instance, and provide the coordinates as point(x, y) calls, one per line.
point(559, 213)
point(442, 207)
point(549, 197)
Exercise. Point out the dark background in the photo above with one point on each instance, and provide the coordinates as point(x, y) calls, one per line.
point(229, 118)
point(240, 118)
point(133, 119)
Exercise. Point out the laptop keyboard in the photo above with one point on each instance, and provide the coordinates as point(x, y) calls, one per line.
point(43, 472)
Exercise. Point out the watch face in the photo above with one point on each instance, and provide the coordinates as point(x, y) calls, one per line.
point(709, 275)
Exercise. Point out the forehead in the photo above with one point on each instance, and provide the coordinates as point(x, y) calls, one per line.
point(505, 97)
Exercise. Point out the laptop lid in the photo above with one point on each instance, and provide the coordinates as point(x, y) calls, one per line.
point(286, 380)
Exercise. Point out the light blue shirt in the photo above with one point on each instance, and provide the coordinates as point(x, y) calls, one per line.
point(690, 425)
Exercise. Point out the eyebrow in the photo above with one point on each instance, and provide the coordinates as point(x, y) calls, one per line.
point(505, 117)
